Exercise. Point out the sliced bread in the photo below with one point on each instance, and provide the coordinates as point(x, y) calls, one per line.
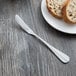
point(55, 7)
point(69, 12)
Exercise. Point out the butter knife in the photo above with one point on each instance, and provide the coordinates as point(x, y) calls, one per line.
point(60, 55)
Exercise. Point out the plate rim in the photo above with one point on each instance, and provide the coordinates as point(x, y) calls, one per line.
point(73, 33)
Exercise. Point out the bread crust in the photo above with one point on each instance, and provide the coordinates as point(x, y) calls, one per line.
point(64, 14)
point(54, 14)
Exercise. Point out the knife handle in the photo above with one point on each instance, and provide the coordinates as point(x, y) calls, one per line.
point(60, 55)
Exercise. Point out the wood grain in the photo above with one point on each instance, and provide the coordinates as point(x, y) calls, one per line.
point(22, 54)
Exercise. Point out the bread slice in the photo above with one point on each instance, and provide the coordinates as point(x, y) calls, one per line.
point(69, 12)
point(55, 7)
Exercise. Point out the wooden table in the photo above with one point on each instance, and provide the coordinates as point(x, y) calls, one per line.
point(24, 55)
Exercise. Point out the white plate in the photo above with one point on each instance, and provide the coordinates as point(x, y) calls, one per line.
point(56, 23)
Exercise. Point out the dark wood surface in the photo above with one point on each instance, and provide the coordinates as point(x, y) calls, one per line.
point(22, 54)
